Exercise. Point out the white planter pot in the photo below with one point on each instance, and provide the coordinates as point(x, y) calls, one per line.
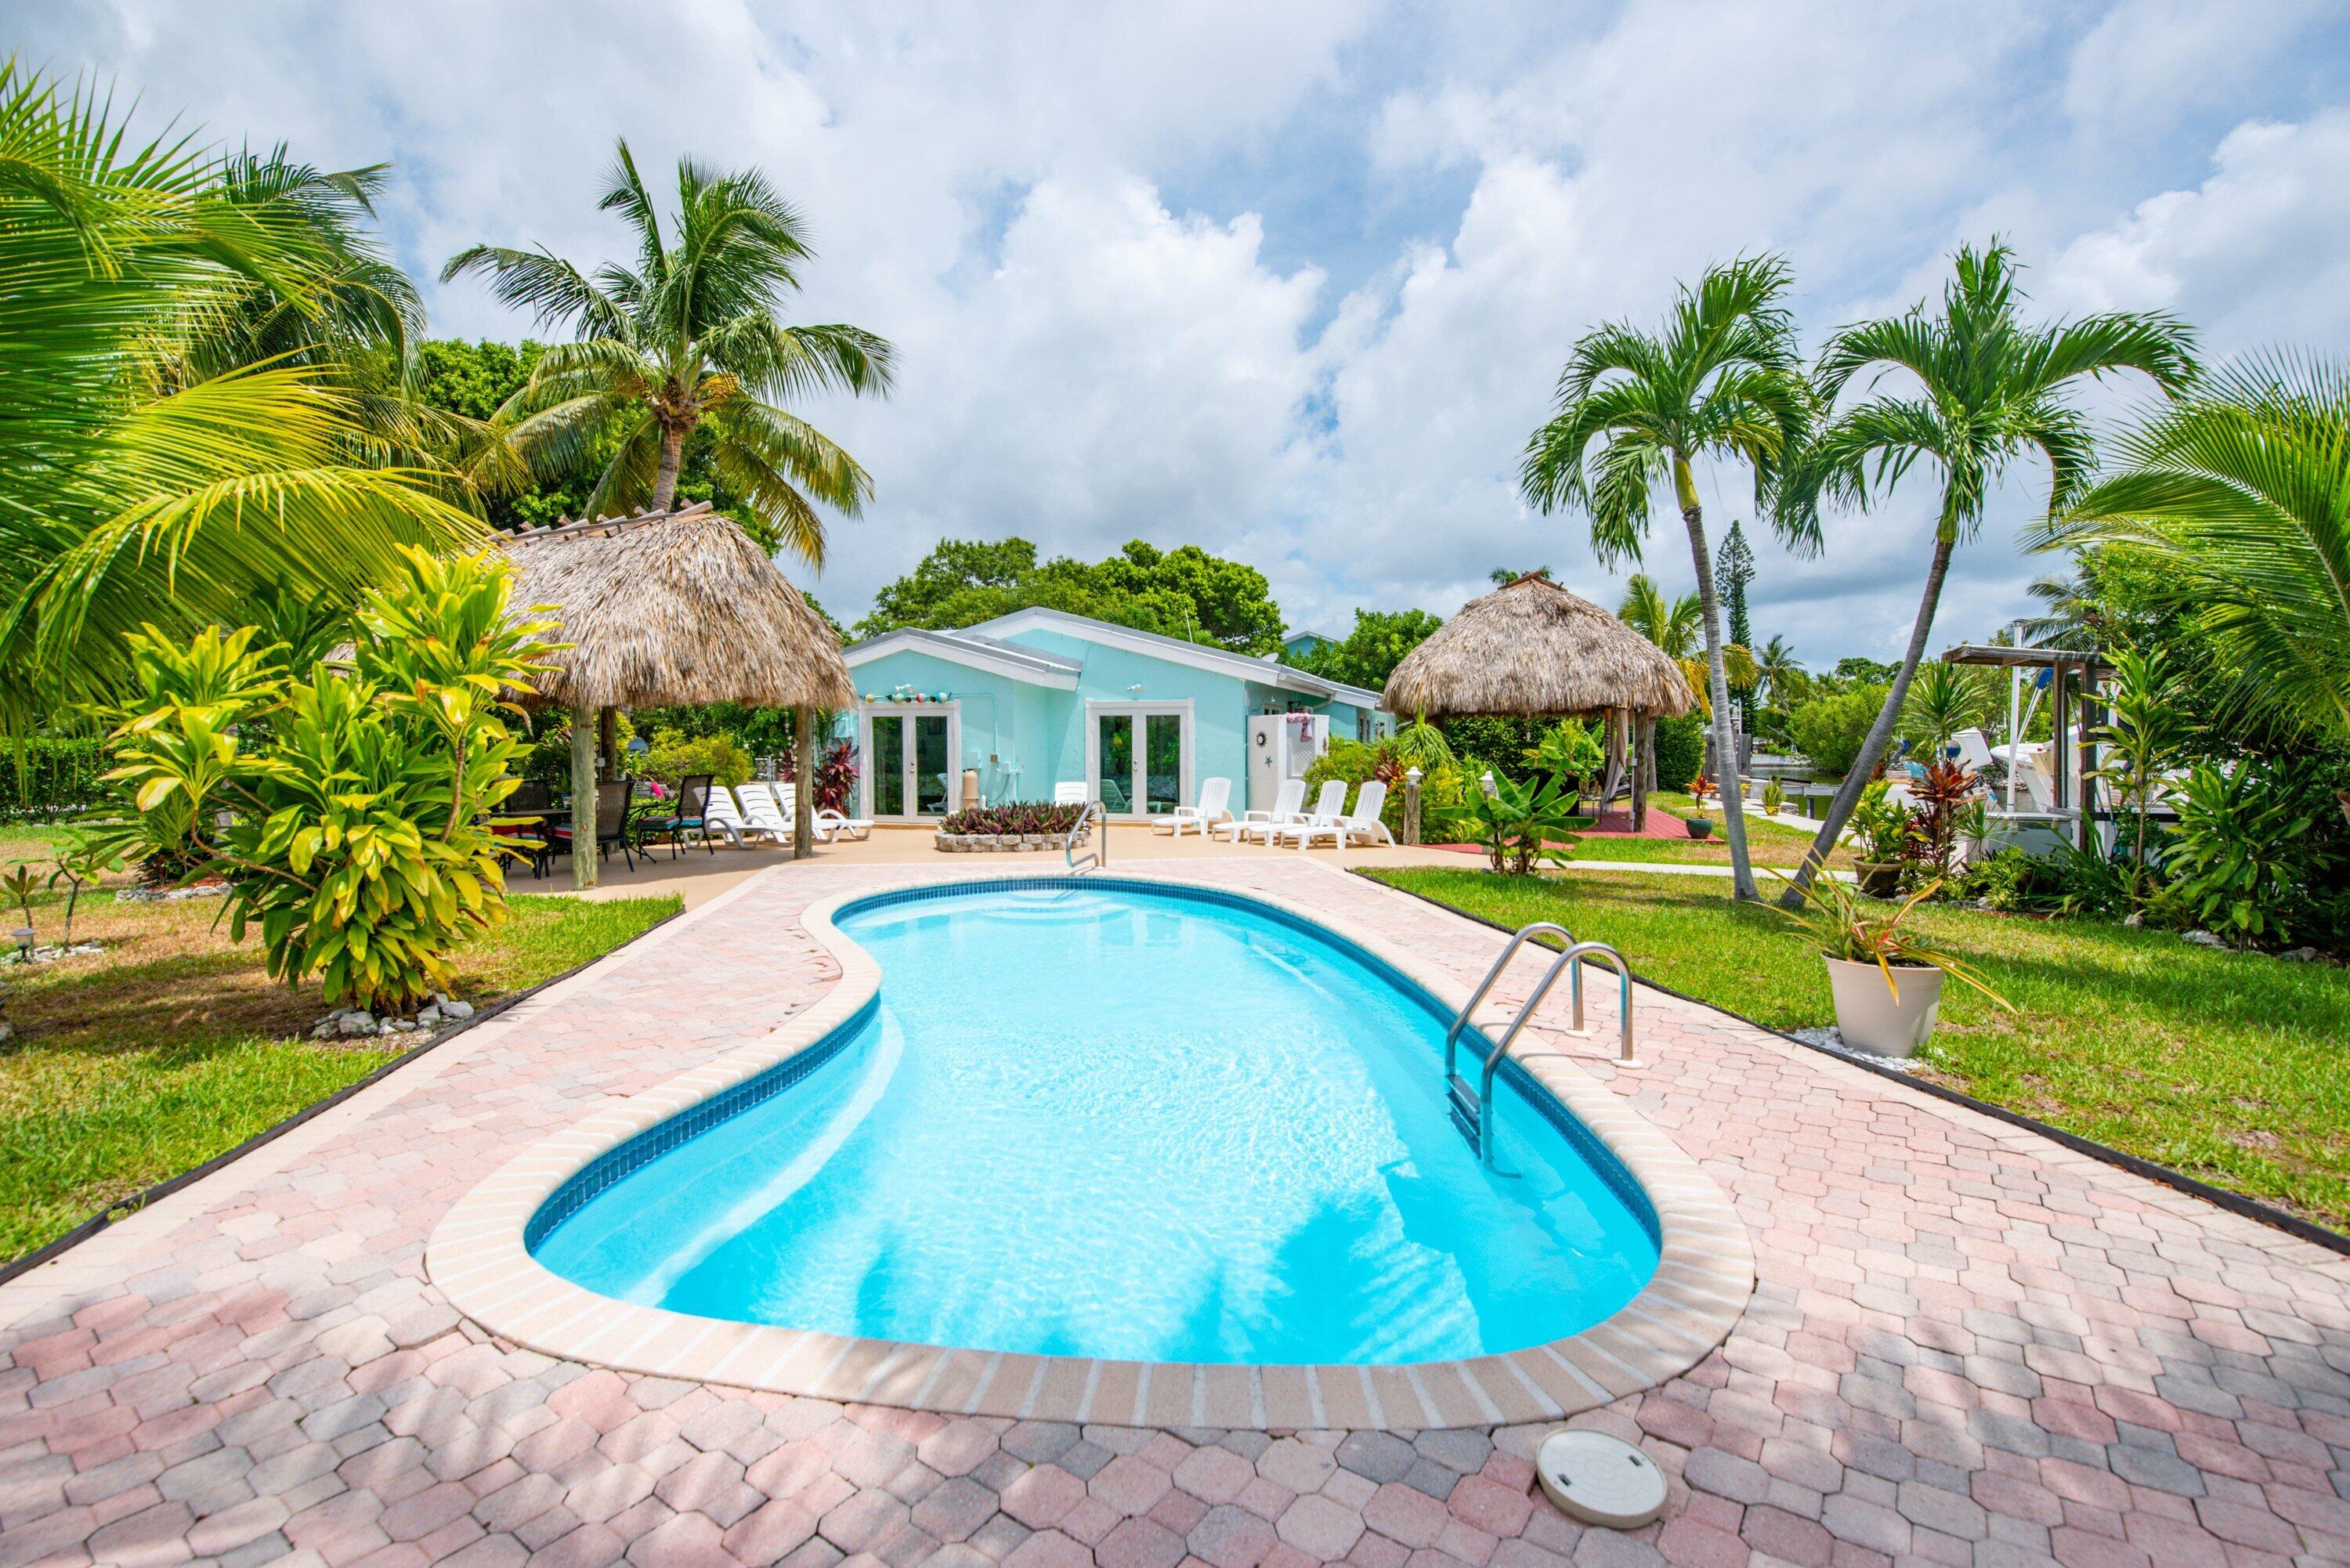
point(1872, 1018)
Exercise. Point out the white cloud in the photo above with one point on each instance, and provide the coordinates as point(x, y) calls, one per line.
point(2259, 253)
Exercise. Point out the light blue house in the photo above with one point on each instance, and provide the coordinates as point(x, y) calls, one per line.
point(1040, 698)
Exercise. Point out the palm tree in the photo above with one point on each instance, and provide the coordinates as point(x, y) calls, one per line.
point(2240, 490)
point(1993, 391)
point(1774, 664)
point(687, 342)
point(1675, 626)
point(1637, 411)
point(151, 470)
point(2067, 605)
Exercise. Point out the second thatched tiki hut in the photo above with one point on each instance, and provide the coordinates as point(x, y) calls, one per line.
point(1531, 650)
point(671, 607)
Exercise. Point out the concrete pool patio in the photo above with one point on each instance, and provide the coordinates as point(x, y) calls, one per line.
point(1966, 1345)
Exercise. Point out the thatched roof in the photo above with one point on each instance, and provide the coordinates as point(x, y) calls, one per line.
point(673, 607)
point(1533, 649)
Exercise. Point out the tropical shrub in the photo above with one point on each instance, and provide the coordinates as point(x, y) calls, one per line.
point(1943, 700)
point(1830, 730)
point(672, 757)
point(2239, 863)
point(1569, 754)
point(835, 775)
point(1354, 763)
point(1881, 827)
point(1016, 817)
point(548, 759)
point(2010, 881)
point(1521, 823)
point(82, 859)
point(1680, 751)
point(360, 799)
point(1949, 804)
point(2147, 729)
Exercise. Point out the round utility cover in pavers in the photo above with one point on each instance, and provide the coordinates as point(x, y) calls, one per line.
point(1600, 1479)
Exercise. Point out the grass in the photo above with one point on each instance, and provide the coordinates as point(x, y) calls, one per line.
point(135, 1064)
point(2225, 1066)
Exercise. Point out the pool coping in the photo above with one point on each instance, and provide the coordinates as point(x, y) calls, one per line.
point(478, 1258)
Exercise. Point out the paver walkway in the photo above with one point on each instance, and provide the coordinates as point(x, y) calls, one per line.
point(1967, 1345)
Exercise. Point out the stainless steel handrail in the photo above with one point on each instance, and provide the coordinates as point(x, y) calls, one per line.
point(1093, 858)
point(1539, 927)
point(1583, 952)
point(1571, 959)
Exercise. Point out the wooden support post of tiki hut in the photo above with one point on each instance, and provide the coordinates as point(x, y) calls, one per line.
point(1531, 650)
point(804, 797)
point(665, 608)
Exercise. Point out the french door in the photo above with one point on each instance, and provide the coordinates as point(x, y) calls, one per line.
point(1138, 757)
point(909, 761)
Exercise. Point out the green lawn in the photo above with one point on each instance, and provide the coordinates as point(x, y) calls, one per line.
point(2228, 1067)
point(133, 1064)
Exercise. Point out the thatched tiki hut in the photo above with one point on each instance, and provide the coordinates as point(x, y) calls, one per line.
point(671, 607)
point(1531, 650)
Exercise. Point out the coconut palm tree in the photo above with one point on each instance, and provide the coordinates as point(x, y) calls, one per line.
point(1637, 411)
point(687, 343)
point(151, 468)
point(2240, 490)
point(1774, 664)
point(1990, 390)
point(1675, 626)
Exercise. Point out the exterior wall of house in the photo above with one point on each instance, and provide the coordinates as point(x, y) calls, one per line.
point(1039, 734)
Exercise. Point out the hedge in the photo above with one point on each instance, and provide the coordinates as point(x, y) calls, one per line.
point(47, 778)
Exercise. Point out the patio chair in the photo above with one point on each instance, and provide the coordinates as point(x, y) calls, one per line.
point(1362, 823)
point(761, 812)
point(1328, 815)
point(690, 815)
point(612, 803)
point(1214, 806)
point(720, 814)
point(1069, 792)
point(1286, 804)
point(827, 823)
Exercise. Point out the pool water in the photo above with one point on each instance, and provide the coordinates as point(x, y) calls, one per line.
point(1134, 1123)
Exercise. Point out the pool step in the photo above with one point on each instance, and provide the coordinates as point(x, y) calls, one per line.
point(1465, 1108)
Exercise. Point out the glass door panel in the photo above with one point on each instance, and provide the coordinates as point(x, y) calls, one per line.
point(930, 784)
point(889, 765)
point(1162, 753)
point(1117, 778)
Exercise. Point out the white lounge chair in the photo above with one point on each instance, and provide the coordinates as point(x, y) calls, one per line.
point(1214, 805)
point(1328, 815)
point(827, 823)
point(1362, 823)
point(1285, 803)
point(722, 815)
point(761, 812)
point(1069, 792)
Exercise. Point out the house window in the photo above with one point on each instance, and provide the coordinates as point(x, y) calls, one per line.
point(1362, 725)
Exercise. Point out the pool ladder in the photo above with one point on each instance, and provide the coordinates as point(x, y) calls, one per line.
point(1472, 1104)
point(1092, 859)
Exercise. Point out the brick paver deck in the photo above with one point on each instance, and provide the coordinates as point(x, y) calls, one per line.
point(1967, 1346)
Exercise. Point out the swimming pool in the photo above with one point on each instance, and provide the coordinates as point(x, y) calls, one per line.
point(1116, 1121)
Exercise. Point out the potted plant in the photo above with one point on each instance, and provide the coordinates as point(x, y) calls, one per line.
point(1698, 827)
point(1880, 841)
point(1887, 981)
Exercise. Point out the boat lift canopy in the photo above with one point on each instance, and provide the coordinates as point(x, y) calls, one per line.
point(2069, 677)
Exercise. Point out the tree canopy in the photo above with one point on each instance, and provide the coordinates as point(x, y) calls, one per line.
point(1184, 592)
point(1368, 655)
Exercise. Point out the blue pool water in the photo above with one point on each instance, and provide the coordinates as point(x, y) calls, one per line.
point(1119, 1122)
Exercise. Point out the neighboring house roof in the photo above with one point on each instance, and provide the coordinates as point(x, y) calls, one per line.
point(1301, 635)
point(984, 647)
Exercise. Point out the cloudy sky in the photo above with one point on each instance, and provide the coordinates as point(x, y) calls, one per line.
point(1292, 281)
